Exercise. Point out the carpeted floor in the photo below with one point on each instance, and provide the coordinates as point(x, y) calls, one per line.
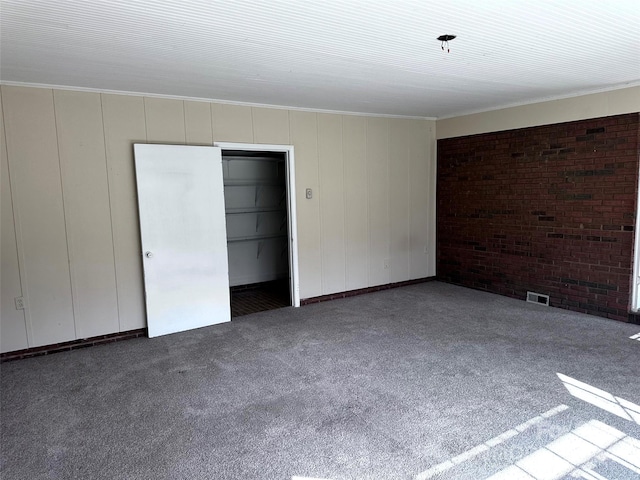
point(426, 381)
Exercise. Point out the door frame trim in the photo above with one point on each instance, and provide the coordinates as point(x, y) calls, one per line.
point(288, 150)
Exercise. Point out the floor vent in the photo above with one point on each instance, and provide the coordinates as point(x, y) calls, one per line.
point(538, 298)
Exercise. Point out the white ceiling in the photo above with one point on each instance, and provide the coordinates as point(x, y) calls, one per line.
point(376, 56)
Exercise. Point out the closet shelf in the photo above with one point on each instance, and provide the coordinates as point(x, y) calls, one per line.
point(253, 183)
point(253, 238)
point(244, 158)
point(239, 210)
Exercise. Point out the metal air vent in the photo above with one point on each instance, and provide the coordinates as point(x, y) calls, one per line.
point(538, 298)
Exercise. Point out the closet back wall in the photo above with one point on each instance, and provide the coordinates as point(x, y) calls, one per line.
point(69, 225)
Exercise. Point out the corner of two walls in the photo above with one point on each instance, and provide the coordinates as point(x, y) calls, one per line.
point(70, 234)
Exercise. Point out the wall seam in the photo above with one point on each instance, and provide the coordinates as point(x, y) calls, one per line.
point(72, 281)
point(318, 156)
point(146, 129)
point(389, 236)
point(15, 218)
point(433, 211)
point(184, 122)
point(344, 206)
point(253, 128)
point(213, 131)
point(111, 213)
point(410, 243)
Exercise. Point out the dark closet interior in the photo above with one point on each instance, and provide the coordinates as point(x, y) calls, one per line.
point(255, 191)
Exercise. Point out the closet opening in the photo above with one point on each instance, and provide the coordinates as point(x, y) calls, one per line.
point(258, 204)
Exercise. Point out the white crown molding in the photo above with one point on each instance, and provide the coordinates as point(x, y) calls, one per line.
point(209, 100)
point(581, 93)
point(320, 110)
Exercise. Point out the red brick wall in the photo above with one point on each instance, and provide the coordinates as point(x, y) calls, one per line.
point(549, 209)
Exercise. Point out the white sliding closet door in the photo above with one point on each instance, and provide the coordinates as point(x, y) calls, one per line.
point(183, 233)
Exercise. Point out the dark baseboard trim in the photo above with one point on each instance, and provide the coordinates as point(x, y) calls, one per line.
point(634, 317)
point(116, 337)
point(361, 291)
point(72, 345)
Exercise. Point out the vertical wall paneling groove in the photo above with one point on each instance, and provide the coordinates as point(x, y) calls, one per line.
point(197, 123)
point(330, 164)
point(430, 149)
point(213, 122)
point(354, 140)
point(232, 123)
point(35, 175)
point(112, 228)
point(124, 125)
point(253, 126)
point(318, 196)
point(19, 244)
point(399, 199)
point(378, 169)
point(64, 218)
point(419, 202)
point(305, 140)
point(87, 216)
point(410, 213)
point(270, 125)
point(184, 120)
point(13, 327)
point(165, 120)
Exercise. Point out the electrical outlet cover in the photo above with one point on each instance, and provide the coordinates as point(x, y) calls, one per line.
point(19, 303)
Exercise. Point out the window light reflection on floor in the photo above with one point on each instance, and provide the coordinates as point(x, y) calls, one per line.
point(578, 453)
point(492, 442)
point(601, 399)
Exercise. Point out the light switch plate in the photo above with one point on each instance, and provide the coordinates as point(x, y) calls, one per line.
point(309, 193)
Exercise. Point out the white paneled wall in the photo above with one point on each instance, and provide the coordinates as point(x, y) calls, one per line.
point(36, 191)
point(13, 329)
point(124, 125)
point(70, 234)
point(377, 145)
point(85, 195)
point(356, 204)
point(331, 199)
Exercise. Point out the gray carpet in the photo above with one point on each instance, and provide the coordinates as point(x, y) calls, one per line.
point(403, 383)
